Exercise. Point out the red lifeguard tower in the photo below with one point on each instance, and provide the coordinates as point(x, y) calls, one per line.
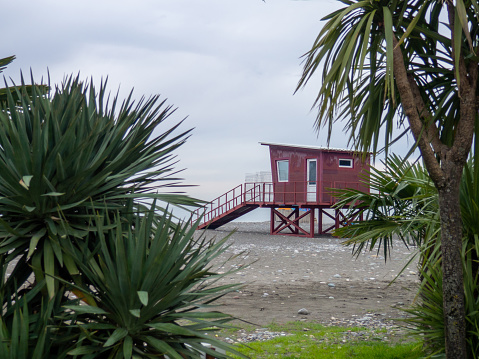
point(303, 179)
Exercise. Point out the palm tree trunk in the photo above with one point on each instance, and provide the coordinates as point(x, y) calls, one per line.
point(453, 286)
point(446, 176)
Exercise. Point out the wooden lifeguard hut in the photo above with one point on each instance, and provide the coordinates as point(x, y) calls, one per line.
point(303, 179)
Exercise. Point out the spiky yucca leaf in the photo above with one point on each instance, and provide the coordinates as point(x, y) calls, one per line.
point(154, 289)
point(19, 340)
point(32, 326)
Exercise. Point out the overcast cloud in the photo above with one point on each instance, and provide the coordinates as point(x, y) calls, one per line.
point(230, 66)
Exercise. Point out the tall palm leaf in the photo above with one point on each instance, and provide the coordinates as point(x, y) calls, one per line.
point(4, 62)
point(354, 50)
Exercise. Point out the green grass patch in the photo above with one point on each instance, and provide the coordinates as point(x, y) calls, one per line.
point(310, 340)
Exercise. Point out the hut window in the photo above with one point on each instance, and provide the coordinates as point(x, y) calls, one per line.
point(283, 170)
point(347, 163)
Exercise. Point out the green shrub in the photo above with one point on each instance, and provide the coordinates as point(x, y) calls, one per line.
point(150, 285)
point(91, 265)
point(67, 154)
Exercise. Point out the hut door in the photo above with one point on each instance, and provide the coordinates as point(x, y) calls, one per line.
point(311, 183)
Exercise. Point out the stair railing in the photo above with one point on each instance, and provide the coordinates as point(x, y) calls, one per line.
point(220, 205)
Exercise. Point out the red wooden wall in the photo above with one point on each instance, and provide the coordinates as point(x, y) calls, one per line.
point(329, 174)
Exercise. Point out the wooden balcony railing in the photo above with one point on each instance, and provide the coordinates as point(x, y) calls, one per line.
point(273, 194)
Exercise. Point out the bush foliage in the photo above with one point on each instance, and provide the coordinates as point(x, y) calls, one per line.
point(92, 264)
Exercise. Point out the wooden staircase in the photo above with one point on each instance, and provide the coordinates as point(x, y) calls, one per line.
point(233, 204)
point(228, 216)
point(249, 196)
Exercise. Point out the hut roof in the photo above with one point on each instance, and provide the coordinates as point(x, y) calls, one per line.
point(325, 149)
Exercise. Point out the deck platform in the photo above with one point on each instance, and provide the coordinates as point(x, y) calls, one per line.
point(249, 196)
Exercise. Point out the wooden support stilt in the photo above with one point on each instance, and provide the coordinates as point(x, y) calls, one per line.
point(320, 220)
point(343, 221)
point(271, 223)
point(339, 220)
point(311, 221)
point(290, 223)
point(327, 230)
point(295, 220)
point(336, 218)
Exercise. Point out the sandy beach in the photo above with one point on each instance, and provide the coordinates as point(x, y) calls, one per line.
point(283, 275)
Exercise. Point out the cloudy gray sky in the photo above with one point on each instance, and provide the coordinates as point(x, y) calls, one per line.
point(230, 66)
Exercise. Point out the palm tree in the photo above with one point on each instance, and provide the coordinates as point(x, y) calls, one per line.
point(403, 204)
point(388, 64)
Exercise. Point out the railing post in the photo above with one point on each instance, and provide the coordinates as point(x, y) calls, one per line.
point(295, 192)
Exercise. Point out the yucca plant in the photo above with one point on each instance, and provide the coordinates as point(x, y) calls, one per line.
point(152, 287)
point(91, 264)
point(68, 154)
point(471, 290)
